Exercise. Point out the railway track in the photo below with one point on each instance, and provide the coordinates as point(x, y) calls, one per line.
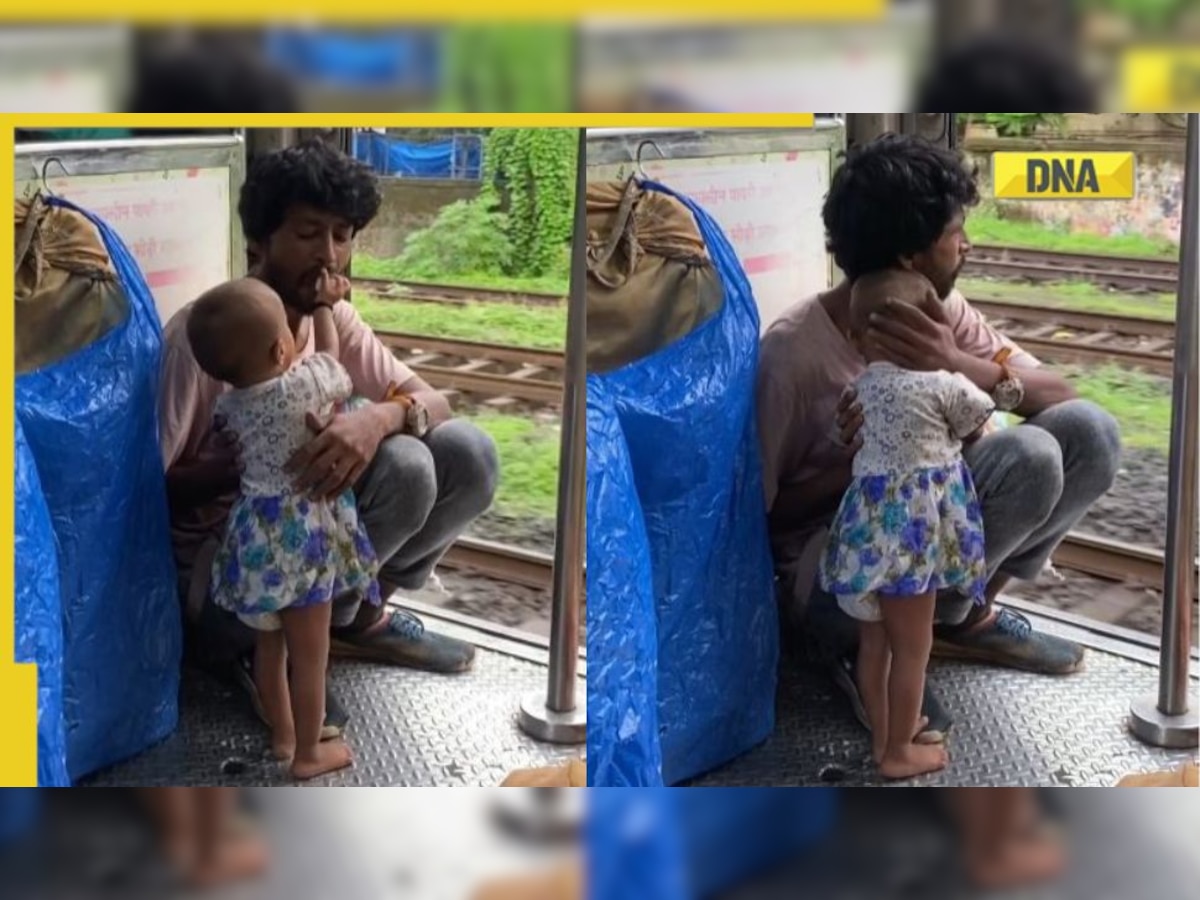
point(1069, 336)
point(497, 372)
point(1116, 561)
point(503, 562)
point(449, 293)
point(1123, 273)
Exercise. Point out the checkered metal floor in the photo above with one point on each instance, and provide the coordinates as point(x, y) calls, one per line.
point(407, 728)
point(1011, 729)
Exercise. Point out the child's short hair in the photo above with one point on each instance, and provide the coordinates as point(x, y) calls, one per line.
point(232, 323)
point(870, 292)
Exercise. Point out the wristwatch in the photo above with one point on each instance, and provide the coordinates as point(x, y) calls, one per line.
point(1009, 390)
point(416, 416)
point(416, 421)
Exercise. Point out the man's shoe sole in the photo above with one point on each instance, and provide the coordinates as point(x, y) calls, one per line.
point(944, 649)
point(354, 651)
point(328, 732)
point(849, 689)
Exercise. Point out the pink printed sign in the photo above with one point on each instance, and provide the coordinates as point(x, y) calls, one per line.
point(176, 223)
point(769, 206)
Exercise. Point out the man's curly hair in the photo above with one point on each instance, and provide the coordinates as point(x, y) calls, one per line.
point(312, 173)
point(891, 198)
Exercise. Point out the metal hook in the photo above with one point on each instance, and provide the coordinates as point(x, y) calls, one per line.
point(638, 156)
point(45, 166)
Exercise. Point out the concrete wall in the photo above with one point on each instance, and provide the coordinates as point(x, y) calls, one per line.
point(409, 205)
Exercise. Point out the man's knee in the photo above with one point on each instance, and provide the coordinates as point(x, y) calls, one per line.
point(1037, 460)
point(1092, 436)
point(467, 456)
point(405, 466)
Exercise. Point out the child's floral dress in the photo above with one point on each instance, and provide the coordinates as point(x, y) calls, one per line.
point(283, 549)
point(910, 521)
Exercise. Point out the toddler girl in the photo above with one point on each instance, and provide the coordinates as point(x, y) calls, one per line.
point(285, 555)
point(908, 526)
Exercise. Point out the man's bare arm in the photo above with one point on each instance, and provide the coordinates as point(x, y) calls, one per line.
point(1043, 388)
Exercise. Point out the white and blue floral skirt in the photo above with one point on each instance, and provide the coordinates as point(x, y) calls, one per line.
point(905, 534)
point(288, 552)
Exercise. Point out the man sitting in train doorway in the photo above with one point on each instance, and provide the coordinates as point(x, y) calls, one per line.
point(420, 480)
point(902, 201)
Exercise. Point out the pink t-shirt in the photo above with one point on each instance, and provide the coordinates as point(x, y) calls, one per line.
point(187, 400)
point(805, 363)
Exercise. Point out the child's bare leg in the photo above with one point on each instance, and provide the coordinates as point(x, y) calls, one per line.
point(1001, 849)
point(307, 634)
point(270, 676)
point(873, 662)
point(908, 622)
point(225, 854)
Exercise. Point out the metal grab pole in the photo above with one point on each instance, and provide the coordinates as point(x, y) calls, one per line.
point(558, 716)
point(1170, 720)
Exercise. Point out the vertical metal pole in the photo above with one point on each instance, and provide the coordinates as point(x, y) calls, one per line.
point(558, 716)
point(1169, 720)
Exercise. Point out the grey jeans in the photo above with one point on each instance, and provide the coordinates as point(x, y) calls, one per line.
point(1035, 481)
point(415, 498)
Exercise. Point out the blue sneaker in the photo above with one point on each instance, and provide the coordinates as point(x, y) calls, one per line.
point(403, 641)
point(1008, 640)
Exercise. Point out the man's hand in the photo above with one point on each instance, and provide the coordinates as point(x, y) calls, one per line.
point(336, 458)
point(849, 420)
point(915, 338)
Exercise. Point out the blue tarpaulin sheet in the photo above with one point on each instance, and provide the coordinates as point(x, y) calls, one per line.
point(407, 59)
point(91, 425)
point(623, 747)
point(455, 158)
point(39, 620)
point(695, 843)
point(687, 417)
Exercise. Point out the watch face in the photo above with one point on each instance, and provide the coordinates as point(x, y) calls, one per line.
point(418, 419)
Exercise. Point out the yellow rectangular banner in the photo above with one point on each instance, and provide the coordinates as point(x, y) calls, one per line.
point(1160, 79)
point(1057, 176)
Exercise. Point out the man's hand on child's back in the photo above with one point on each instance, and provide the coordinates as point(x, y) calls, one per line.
point(343, 447)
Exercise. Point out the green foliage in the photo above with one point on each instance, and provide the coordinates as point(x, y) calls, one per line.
point(510, 67)
point(1020, 124)
point(520, 224)
point(528, 452)
point(504, 323)
point(465, 237)
point(533, 171)
point(1146, 15)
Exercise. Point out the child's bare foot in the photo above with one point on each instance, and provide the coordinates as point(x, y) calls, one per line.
point(879, 742)
point(326, 757)
point(910, 760)
point(1019, 861)
point(238, 857)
